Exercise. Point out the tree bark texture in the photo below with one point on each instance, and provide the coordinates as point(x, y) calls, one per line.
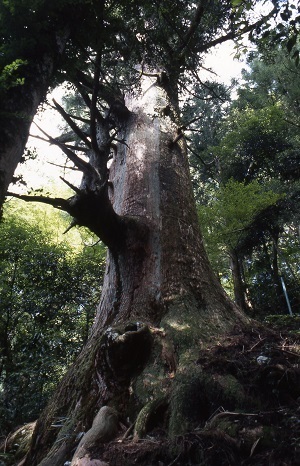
point(160, 302)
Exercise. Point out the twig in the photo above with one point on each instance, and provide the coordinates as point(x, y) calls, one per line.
point(288, 352)
point(71, 123)
point(80, 164)
point(256, 344)
point(130, 428)
point(174, 461)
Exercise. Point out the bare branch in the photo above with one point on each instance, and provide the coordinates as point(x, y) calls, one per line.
point(57, 202)
point(69, 146)
point(179, 136)
point(63, 166)
point(197, 96)
point(74, 188)
point(81, 89)
point(186, 125)
point(72, 224)
point(206, 86)
point(35, 136)
point(196, 154)
point(122, 141)
point(74, 117)
point(78, 162)
point(78, 148)
point(71, 123)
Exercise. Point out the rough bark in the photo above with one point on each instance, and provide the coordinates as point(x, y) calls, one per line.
point(160, 302)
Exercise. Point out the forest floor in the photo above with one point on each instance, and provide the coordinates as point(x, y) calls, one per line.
point(250, 406)
point(254, 421)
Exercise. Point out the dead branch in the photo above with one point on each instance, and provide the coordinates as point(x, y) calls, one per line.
point(57, 202)
point(74, 188)
point(206, 86)
point(63, 166)
point(74, 117)
point(256, 344)
point(78, 162)
point(197, 96)
point(196, 154)
point(72, 224)
point(71, 123)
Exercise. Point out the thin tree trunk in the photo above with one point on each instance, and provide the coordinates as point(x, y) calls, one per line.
point(281, 302)
point(238, 283)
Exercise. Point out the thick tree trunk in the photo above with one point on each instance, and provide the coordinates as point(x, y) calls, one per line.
point(160, 303)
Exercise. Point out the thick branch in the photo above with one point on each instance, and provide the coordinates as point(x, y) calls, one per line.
point(194, 25)
point(57, 202)
point(234, 34)
point(74, 188)
point(81, 89)
point(92, 210)
point(93, 109)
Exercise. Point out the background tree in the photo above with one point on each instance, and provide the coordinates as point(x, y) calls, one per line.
point(48, 299)
point(39, 44)
point(259, 140)
point(225, 222)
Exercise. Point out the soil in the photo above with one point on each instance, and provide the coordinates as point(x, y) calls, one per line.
point(247, 407)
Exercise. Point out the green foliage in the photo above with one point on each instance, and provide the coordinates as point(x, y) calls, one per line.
point(272, 77)
point(234, 209)
point(253, 141)
point(256, 142)
point(49, 294)
point(226, 219)
point(290, 324)
point(10, 75)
